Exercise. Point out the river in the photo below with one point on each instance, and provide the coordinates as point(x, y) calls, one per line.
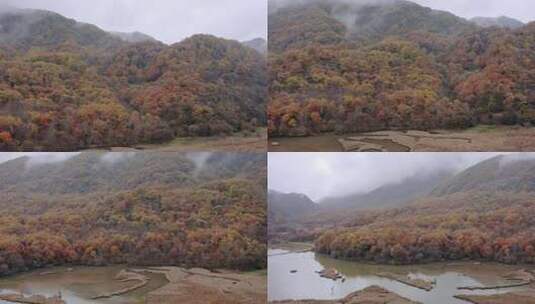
point(305, 283)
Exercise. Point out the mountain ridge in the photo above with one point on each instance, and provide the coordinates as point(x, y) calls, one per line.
point(502, 21)
point(69, 86)
point(394, 195)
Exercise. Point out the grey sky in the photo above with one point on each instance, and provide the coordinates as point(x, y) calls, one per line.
point(320, 175)
point(523, 10)
point(166, 20)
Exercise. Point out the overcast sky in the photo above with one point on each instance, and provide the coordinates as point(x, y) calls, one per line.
point(166, 20)
point(523, 10)
point(321, 175)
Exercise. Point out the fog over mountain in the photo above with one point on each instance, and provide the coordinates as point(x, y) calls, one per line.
point(169, 21)
point(523, 10)
point(322, 175)
point(519, 9)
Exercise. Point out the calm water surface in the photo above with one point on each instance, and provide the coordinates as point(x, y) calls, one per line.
point(307, 284)
point(79, 285)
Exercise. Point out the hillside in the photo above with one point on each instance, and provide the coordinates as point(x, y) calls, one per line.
point(488, 219)
point(290, 205)
point(286, 215)
point(501, 173)
point(205, 210)
point(502, 21)
point(69, 86)
point(393, 65)
point(258, 44)
point(27, 28)
point(388, 196)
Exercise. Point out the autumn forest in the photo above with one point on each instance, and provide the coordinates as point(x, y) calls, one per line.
point(356, 66)
point(189, 210)
point(68, 86)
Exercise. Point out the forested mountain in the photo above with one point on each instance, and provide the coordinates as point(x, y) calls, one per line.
point(502, 21)
point(290, 205)
point(501, 173)
point(27, 28)
point(389, 196)
point(366, 65)
point(65, 85)
point(206, 210)
point(259, 44)
point(483, 213)
point(286, 212)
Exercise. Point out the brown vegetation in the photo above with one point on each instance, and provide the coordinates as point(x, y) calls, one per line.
point(432, 71)
point(65, 89)
point(146, 209)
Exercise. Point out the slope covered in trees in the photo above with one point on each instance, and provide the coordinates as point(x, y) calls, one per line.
point(204, 210)
point(367, 66)
point(67, 86)
point(489, 218)
point(502, 21)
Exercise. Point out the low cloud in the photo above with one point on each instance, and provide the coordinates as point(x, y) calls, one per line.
point(169, 21)
point(320, 175)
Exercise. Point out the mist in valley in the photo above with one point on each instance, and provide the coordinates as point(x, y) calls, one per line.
point(326, 175)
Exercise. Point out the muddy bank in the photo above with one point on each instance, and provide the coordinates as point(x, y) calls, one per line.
point(525, 297)
point(238, 142)
point(33, 299)
point(369, 295)
point(407, 280)
point(200, 286)
point(125, 276)
point(480, 138)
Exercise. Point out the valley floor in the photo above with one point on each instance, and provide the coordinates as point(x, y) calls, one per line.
point(200, 286)
point(238, 142)
point(480, 138)
point(150, 285)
